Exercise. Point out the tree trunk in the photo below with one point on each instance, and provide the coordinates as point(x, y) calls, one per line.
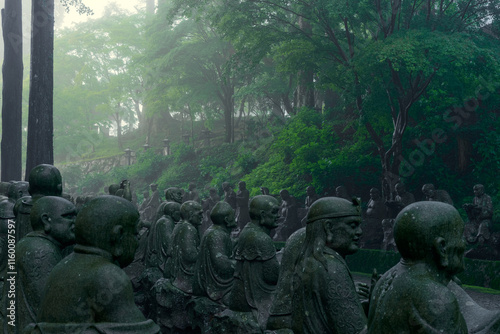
point(40, 148)
point(12, 72)
point(118, 120)
point(305, 88)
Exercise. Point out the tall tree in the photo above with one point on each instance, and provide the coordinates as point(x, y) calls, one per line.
point(12, 71)
point(40, 145)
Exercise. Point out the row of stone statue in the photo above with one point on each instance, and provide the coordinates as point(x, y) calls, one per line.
point(67, 275)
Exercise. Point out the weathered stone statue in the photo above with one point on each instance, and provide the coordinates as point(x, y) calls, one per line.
point(480, 213)
point(185, 246)
point(214, 269)
point(192, 193)
point(88, 292)
point(376, 211)
point(153, 203)
point(44, 180)
point(413, 296)
point(438, 195)
point(388, 227)
point(229, 194)
point(264, 190)
point(311, 197)
point(53, 223)
point(144, 204)
point(325, 298)
point(159, 239)
point(257, 268)
point(124, 190)
point(173, 194)
point(208, 204)
point(242, 198)
point(288, 215)
point(280, 315)
point(402, 199)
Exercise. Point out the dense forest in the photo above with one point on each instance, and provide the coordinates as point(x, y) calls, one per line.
point(282, 94)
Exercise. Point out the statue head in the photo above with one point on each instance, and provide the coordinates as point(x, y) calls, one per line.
point(173, 194)
point(310, 191)
point(478, 190)
point(153, 186)
point(223, 214)
point(112, 189)
point(431, 232)
point(400, 188)
point(55, 216)
point(18, 189)
point(374, 194)
point(334, 222)
point(192, 212)
point(226, 186)
point(212, 192)
point(285, 195)
point(172, 210)
point(264, 190)
point(428, 190)
point(45, 180)
point(111, 224)
point(264, 210)
point(242, 185)
point(7, 209)
point(191, 186)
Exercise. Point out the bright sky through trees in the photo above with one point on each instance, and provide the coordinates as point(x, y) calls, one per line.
point(99, 6)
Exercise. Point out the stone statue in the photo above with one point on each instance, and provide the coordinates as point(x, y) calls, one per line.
point(388, 244)
point(44, 180)
point(124, 190)
point(53, 223)
point(185, 246)
point(325, 299)
point(280, 315)
point(402, 199)
point(289, 219)
point(229, 194)
point(311, 197)
point(192, 194)
point(439, 195)
point(145, 201)
point(373, 233)
point(6, 214)
point(257, 268)
point(208, 204)
point(480, 214)
point(413, 296)
point(173, 194)
point(264, 190)
point(88, 292)
point(242, 198)
point(159, 239)
point(153, 203)
point(214, 269)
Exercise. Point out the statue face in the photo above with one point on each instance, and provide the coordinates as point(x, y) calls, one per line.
point(270, 215)
point(177, 196)
point(230, 220)
point(62, 223)
point(196, 216)
point(343, 234)
point(176, 215)
point(478, 191)
point(400, 189)
point(428, 191)
point(129, 240)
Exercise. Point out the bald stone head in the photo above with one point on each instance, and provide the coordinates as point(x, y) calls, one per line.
point(431, 232)
point(45, 180)
point(55, 216)
point(172, 210)
point(223, 214)
point(192, 212)
point(264, 210)
point(109, 223)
